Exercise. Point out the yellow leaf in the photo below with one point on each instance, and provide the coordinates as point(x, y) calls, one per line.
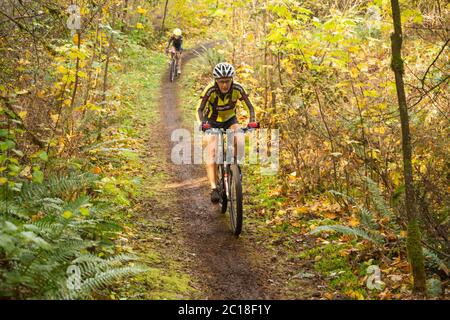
point(37, 216)
point(84, 211)
point(22, 114)
point(353, 222)
point(3, 180)
point(379, 130)
point(73, 54)
point(356, 295)
point(75, 38)
point(330, 215)
point(363, 66)
point(67, 214)
point(141, 10)
point(96, 170)
point(61, 69)
point(301, 210)
point(54, 118)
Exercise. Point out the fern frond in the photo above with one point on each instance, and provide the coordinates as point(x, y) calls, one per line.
point(346, 230)
point(12, 208)
point(49, 205)
point(338, 194)
point(77, 204)
point(377, 199)
point(117, 260)
point(58, 185)
point(108, 277)
point(100, 280)
point(433, 259)
point(367, 219)
point(49, 226)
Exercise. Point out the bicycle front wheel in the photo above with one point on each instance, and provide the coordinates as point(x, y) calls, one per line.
point(235, 199)
point(172, 70)
point(223, 201)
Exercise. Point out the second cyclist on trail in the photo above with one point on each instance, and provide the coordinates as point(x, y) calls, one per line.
point(177, 47)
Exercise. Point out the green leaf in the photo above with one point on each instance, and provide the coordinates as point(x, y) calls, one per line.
point(14, 168)
point(8, 144)
point(18, 152)
point(10, 226)
point(43, 156)
point(38, 176)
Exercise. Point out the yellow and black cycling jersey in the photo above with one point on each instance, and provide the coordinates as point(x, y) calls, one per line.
point(220, 107)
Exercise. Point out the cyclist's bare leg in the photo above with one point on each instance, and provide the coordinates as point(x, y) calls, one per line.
point(211, 141)
point(178, 57)
point(172, 53)
point(239, 141)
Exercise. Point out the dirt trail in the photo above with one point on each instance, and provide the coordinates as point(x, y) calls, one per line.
point(223, 266)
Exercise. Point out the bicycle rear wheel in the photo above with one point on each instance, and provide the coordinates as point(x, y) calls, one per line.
point(235, 191)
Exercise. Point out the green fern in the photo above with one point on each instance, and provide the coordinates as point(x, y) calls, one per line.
point(433, 260)
point(12, 208)
point(36, 254)
point(91, 264)
point(56, 186)
point(209, 57)
point(108, 277)
point(345, 196)
point(377, 199)
point(74, 206)
point(347, 230)
point(99, 281)
point(367, 219)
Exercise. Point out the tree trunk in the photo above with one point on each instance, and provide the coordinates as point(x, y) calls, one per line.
point(414, 247)
point(164, 17)
point(124, 16)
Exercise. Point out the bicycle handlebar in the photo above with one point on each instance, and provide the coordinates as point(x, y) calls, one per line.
point(222, 130)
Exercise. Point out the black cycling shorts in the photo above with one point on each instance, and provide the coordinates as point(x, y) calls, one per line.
point(224, 125)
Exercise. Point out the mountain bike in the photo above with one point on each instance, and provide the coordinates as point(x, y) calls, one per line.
point(173, 66)
point(229, 182)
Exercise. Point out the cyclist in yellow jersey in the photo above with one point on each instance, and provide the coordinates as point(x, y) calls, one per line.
point(217, 109)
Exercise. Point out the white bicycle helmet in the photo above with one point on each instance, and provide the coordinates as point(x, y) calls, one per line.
point(223, 70)
point(177, 32)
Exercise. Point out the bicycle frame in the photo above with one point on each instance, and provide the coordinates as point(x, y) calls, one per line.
point(173, 64)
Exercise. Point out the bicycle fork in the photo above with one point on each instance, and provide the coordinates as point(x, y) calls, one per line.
point(225, 180)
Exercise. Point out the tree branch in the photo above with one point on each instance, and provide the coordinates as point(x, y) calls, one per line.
point(434, 61)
